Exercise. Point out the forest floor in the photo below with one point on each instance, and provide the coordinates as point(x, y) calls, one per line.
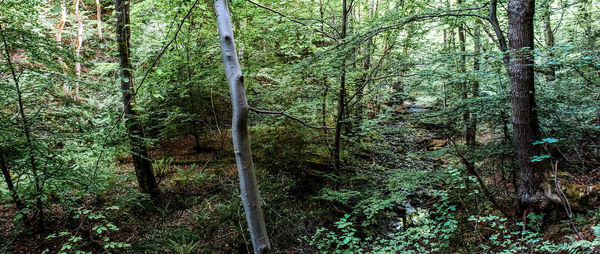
point(201, 198)
point(200, 204)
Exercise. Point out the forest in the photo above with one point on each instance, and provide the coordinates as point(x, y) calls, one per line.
point(300, 126)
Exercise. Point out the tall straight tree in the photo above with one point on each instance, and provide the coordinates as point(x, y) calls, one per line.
point(59, 29)
point(534, 190)
point(471, 135)
point(239, 131)
point(342, 92)
point(99, 18)
point(141, 161)
point(462, 69)
point(551, 74)
point(78, 44)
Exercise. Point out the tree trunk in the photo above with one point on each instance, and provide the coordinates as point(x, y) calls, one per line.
point(27, 132)
point(78, 46)
point(141, 160)
point(493, 19)
point(462, 69)
point(534, 189)
point(13, 192)
point(99, 18)
point(239, 131)
point(471, 137)
point(59, 30)
point(551, 75)
point(341, 94)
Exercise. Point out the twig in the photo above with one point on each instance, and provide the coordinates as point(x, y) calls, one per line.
point(289, 116)
point(295, 20)
point(565, 202)
point(278, 13)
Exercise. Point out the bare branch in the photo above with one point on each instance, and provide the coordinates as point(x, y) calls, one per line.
point(295, 20)
point(165, 47)
point(289, 116)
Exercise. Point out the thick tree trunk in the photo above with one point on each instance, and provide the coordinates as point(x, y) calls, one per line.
point(534, 189)
point(141, 160)
point(341, 94)
point(78, 46)
point(239, 131)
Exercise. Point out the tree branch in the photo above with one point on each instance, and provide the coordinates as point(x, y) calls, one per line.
point(165, 48)
point(473, 171)
point(289, 116)
point(295, 20)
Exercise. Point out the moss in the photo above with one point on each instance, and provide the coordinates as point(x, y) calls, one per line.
point(581, 197)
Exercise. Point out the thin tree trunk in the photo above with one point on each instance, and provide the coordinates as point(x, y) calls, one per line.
point(325, 86)
point(324, 105)
point(28, 139)
point(99, 18)
point(471, 137)
point(534, 189)
point(493, 19)
point(462, 69)
point(59, 30)
point(342, 93)
point(551, 75)
point(13, 192)
point(239, 131)
point(78, 46)
point(141, 159)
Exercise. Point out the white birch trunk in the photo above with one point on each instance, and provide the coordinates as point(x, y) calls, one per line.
point(78, 47)
point(239, 130)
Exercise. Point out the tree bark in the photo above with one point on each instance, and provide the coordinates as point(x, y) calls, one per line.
point(534, 189)
point(141, 159)
point(239, 131)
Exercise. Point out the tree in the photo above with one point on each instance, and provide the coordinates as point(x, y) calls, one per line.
point(99, 18)
point(239, 131)
point(78, 43)
point(342, 92)
point(549, 34)
point(59, 29)
point(534, 190)
point(139, 152)
point(26, 128)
